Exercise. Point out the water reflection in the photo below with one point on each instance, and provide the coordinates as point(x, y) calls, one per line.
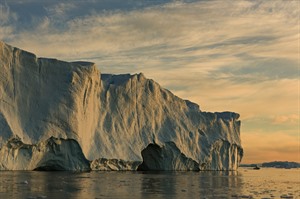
point(158, 184)
point(115, 184)
point(191, 184)
point(41, 184)
point(220, 184)
point(146, 184)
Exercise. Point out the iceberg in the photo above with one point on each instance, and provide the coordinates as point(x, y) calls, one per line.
point(118, 122)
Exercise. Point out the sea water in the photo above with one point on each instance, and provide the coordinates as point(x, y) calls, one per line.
point(244, 183)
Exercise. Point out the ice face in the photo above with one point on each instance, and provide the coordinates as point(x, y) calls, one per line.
point(52, 154)
point(110, 116)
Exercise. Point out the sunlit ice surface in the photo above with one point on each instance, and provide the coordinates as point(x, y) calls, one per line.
point(244, 183)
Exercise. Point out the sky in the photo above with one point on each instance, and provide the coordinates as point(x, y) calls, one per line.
point(225, 55)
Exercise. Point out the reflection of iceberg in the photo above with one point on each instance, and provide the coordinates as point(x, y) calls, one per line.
point(112, 118)
point(146, 185)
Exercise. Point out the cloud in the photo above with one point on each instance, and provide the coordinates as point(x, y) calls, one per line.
point(4, 14)
point(260, 69)
point(60, 10)
point(202, 31)
point(6, 17)
point(291, 119)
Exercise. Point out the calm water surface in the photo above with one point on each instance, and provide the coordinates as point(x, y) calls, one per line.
point(245, 183)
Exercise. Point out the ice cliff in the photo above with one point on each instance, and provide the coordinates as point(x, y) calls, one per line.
point(120, 122)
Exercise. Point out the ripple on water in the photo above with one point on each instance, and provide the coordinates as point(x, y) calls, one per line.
point(36, 197)
point(286, 196)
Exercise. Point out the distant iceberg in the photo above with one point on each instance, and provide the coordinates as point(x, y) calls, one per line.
point(57, 115)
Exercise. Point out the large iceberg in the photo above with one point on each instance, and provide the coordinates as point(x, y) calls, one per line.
point(120, 122)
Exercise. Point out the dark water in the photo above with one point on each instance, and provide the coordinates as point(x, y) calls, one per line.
point(245, 183)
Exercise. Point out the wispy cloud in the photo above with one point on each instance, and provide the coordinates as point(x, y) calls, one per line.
point(204, 35)
point(291, 119)
point(6, 17)
point(60, 11)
